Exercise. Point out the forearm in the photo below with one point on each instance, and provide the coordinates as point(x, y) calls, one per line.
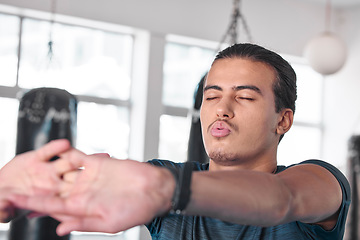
point(162, 181)
point(243, 197)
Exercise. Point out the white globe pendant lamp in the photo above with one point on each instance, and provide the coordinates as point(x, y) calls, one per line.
point(326, 52)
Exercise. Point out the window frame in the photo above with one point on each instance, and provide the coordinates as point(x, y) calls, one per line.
point(14, 92)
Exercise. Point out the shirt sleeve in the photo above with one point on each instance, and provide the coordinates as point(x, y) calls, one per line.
point(338, 231)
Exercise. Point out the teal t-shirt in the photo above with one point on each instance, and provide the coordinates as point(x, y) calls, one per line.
point(173, 226)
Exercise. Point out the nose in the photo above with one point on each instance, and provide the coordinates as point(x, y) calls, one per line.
point(224, 109)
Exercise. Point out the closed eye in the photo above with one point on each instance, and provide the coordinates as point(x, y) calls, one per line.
point(211, 98)
point(247, 98)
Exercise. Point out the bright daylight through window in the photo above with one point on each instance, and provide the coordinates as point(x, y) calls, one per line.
point(93, 64)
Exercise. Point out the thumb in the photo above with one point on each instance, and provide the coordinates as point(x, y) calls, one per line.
point(100, 155)
point(66, 227)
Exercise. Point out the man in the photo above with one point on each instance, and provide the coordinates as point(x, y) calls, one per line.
point(248, 105)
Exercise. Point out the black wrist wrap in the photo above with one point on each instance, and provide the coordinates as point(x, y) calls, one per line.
point(182, 191)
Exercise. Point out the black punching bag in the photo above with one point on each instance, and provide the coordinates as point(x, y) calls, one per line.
point(196, 150)
point(45, 114)
point(354, 176)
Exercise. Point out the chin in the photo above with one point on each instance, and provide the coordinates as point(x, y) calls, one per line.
point(221, 157)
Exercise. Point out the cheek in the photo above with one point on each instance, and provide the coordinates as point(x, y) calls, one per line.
point(203, 119)
point(268, 124)
point(260, 122)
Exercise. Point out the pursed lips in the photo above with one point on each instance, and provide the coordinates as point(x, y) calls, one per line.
point(219, 129)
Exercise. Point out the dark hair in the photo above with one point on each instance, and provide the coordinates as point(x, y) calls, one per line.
point(284, 87)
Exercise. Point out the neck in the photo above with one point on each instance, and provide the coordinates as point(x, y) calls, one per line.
point(268, 166)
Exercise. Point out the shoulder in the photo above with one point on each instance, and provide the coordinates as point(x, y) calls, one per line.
point(316, 182)
point(327, 167)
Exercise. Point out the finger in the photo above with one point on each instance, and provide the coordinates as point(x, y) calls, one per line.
point(63, 217)
point(100, 155)
point(43, 204)
point(75, 157)
point(53, 149)
point(66, 227)
point(36, 214)
point(80, 160)
point(88, 224)
point(70, 177)
point(62, 166)
point(65, 189)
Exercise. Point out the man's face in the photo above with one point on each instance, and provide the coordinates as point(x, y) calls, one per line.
point(238, 117)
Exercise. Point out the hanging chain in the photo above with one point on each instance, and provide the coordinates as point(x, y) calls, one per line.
point(232, 31)
point(246, 27)
point(52, 20)
point(234, 23)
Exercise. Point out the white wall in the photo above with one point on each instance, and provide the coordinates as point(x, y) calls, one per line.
point(342, 96)
point(282, 25)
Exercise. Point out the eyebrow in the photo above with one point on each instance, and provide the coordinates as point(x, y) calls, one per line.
point(236, 88)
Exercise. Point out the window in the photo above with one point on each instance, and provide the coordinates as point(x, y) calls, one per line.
point(304, 140)
point(184, 66)
point(9, 112)
point(171, 147)
point(85, 61)
point(309, 88)
point(9, 35)
point(299, 144)
point(93, 64)
point(103, 128)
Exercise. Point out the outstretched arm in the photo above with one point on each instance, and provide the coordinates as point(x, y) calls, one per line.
point(308, 193)
point(112, 195)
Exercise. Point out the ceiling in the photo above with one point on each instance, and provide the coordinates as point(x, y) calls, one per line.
point(340, 3)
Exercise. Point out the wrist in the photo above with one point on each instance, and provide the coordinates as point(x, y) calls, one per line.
point(182, 192)
point(168, 185)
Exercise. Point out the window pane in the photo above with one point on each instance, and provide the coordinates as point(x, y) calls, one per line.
point(184, 66)
point(103, 128)
point(8, 129)
point(309, 88)
point(85, 61)
point(9, 40)
point(299, 144)
point(174, 137)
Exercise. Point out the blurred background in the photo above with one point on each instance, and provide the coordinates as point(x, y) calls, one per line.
point(134, 66)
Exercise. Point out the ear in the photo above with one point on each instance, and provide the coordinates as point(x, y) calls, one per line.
point(285, 121)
